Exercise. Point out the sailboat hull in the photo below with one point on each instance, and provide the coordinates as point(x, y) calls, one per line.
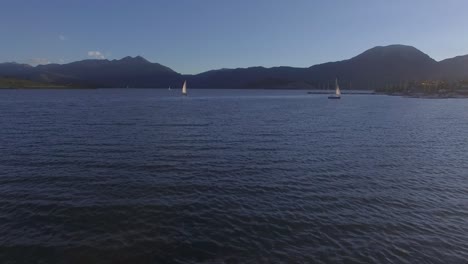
point(334, 97)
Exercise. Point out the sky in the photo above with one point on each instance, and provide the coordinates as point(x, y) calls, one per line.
point(192, 36)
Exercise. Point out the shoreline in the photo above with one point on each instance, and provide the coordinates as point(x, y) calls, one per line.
point(429, 96)
point(307, 91)
point(455, 95)
point(44, 88)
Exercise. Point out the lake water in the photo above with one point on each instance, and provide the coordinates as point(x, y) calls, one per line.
point(231, 176)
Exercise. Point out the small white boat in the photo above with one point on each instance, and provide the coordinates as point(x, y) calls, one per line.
point(184, 88)
point(337, 94)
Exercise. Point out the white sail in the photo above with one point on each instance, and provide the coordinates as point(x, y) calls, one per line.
point(184, 88)
point(337, 91)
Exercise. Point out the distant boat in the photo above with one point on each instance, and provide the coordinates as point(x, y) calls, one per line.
point(337, 94)
point(184, 88)
point(169, 88)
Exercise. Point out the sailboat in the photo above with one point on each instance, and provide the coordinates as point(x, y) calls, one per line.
point(337, 94)
point(184, 88)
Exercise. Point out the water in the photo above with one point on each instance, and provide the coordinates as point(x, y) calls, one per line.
point(147, 176)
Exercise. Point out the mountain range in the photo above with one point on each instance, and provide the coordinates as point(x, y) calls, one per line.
point(371, 69)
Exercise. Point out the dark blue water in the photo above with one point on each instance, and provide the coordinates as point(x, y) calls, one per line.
point(146, 176)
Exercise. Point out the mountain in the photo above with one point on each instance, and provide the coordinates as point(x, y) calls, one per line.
point(253, 77)
point(14, 69)
point(374, 68)
point(378, 66)
point(454, 68)
point(126, 72)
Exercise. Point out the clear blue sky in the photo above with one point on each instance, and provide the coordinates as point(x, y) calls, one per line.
point(192, 36)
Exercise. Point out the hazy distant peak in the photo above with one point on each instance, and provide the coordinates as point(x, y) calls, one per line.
point(395, 47)
point(391, 49)
point(140, 58)
point(16, 64)
point(463, 58)
point(395, 51)
point(137, 59)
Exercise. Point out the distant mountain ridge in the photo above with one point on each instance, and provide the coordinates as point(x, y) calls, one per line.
point(371, 69)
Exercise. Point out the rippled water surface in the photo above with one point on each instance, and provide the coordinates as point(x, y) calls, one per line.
point(147, 176)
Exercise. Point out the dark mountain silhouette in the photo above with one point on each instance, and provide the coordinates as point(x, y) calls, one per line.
point(253, 77)
point(375, 67)
point(14, 69)
point(371, 69)
point(454, 68)
point(126, 72)
point(378, 66)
